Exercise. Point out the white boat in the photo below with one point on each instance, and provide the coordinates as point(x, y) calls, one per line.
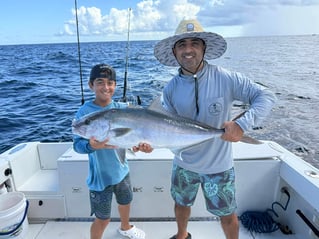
point(52, 176)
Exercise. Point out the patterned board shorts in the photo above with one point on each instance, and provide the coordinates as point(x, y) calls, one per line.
point(218, 189)
point(101, 201)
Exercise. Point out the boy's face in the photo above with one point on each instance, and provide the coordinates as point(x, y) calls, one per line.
point(103, 89)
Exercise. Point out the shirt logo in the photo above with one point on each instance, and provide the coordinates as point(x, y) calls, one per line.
point(215, 108)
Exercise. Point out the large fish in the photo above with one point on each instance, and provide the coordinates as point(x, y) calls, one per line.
point(128, 127)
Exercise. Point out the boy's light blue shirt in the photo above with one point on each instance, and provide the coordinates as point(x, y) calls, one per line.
point(105, 168)
point(217, 90)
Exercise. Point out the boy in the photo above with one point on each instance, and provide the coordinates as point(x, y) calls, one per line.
point(107, 175)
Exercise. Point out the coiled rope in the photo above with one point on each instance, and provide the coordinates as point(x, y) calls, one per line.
point(262, 221)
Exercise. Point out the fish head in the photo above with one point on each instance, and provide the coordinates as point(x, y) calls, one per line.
point(94, 125)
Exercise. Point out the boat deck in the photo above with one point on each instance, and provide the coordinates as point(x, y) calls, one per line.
point(153, 230)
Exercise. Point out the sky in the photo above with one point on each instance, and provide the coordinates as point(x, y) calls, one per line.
point(54, 21)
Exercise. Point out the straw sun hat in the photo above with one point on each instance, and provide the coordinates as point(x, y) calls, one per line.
point(215, 44)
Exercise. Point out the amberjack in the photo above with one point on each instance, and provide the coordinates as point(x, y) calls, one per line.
point(128, 127)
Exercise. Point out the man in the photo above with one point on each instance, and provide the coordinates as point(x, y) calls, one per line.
point(205, 93)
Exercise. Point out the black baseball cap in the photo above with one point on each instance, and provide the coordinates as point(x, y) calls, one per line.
point(102, 71)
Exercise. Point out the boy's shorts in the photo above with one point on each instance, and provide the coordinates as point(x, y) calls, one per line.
point(218, 189)
point(101, 201)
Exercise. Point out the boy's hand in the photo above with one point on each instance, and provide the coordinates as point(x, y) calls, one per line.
point(101, 145)
point(144, 147)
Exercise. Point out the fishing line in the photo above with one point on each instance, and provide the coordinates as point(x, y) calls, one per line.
point(196, 83)
point(79, 51)
point(127, 56)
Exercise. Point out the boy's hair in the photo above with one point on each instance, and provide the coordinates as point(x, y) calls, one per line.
point(102, 71)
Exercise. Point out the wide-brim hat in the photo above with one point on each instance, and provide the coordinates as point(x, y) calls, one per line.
point(215, 44)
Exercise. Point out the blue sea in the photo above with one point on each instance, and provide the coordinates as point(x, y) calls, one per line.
point(40, 85)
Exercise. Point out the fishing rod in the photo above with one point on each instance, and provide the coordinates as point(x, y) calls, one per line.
point(124, 99)
point(79, 51)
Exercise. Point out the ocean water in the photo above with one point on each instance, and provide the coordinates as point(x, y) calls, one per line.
point(40, 86)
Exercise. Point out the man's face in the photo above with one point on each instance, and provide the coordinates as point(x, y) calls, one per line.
point(189, 53)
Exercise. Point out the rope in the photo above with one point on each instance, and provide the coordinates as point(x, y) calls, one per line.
point(260, 222)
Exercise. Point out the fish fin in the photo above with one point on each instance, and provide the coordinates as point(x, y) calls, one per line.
point(121, 155)
point(120, 131)
point(156, 105)
point(246, 139)
point(249, 140)
point(179, 151)
point(135, 106)
point(130, 151)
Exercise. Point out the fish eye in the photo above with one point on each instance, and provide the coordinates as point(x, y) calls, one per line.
point(87, 122)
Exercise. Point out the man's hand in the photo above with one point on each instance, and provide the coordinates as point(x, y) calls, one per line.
point(233, 132)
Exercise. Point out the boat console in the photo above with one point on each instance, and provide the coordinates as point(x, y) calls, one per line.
point(52, 177)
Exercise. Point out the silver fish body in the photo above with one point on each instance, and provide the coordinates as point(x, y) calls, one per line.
point(128, 127)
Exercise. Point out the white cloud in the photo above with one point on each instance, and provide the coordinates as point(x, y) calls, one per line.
point(145, 16)
point(92, 22)
point(235, 17)
point(116, 22)
point(162, 15)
